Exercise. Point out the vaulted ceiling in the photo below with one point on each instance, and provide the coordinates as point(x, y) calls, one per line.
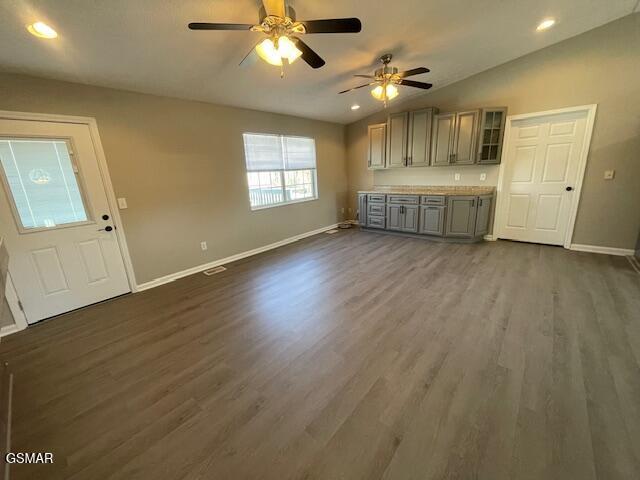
point(145, 46)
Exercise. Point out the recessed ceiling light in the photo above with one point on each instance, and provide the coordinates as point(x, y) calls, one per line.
point(355, 107)
point(42, 30)
point(545, 24)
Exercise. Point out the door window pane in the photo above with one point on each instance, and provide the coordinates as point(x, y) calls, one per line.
point(42, 182)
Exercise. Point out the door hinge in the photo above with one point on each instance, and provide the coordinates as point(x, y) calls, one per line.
point(20, 306)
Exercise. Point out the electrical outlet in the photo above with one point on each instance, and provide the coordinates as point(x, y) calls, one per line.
point(483, 177)
point(122, 203)
point(456, 177)
point(203, 245)
point(609, 174)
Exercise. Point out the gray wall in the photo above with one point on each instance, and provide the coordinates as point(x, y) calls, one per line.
point(600, 66)
point(180, 164)
point(6, 317)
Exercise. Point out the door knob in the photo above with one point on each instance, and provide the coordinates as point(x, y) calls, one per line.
point(568, 189)
point(108, 228)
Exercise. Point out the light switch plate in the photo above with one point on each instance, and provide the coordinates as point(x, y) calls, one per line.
point(483, 177)
point(609, 174)
point(456, 177)
point(122, 203)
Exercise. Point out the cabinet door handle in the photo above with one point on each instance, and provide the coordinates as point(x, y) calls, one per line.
point(480, 202)
point(473, 202)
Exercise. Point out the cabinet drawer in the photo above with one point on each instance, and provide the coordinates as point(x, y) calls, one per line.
point(403, 199)
point(376, 197)
point(375, 222)
point(432, 200)
point(376, 209)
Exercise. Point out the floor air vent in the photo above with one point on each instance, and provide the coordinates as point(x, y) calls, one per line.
point(214, 270)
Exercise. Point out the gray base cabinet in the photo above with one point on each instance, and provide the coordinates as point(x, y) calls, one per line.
point(461, 216)
point(483, 215)
point(362, 209)
point(465, 217)
point(403, 218)
point(432, 220)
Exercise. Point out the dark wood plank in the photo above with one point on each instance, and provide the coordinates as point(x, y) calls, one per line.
point(353, 355)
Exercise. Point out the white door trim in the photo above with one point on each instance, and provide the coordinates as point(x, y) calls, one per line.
point(582, 164)
point(20, 321)
point(104, 173)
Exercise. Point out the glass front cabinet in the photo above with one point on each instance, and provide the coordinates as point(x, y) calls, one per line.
point(491, 133)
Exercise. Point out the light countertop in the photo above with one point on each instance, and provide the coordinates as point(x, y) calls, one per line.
point(430, 190)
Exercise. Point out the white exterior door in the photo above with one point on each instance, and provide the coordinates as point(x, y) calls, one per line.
point(54, 214)
point(541, 163)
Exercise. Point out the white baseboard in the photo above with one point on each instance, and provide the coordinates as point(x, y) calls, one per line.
point(490, 238)
point(624, 252)
point(9, 329)
point(222, 261)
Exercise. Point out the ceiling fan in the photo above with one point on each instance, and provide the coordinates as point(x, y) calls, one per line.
point(386, 79)
point(283, 45)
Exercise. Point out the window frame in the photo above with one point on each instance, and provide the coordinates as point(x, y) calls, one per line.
point(281, 172)
point(71, 150)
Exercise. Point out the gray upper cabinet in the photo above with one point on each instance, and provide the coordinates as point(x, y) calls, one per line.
point(491, 134)
point(465, 138)
point(442, 138)
point(377, 145)
point(432, 220)
point(483, 216)
point(461, 216)
point(397, 128)
point(419, 137)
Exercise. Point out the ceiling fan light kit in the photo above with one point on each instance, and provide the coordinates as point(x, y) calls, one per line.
point(283, 44)
point(386, 78)
point(278, 50)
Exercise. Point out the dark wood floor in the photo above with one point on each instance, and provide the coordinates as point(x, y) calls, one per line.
point(347, 356)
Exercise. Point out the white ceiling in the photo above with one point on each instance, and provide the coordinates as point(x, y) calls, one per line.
point(144, 45)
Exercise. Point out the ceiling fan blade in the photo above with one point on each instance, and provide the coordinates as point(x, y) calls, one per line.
point(219, 26)
point(411, 83)
point(333, 25)
point(413, 71)
point(359, 86)
point(364, 76)
point(274, 7)
point(312, 58)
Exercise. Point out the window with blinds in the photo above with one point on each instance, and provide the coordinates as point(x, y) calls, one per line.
point(280, 169)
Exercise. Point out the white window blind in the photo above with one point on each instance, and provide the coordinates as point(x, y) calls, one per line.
point(280, 169)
